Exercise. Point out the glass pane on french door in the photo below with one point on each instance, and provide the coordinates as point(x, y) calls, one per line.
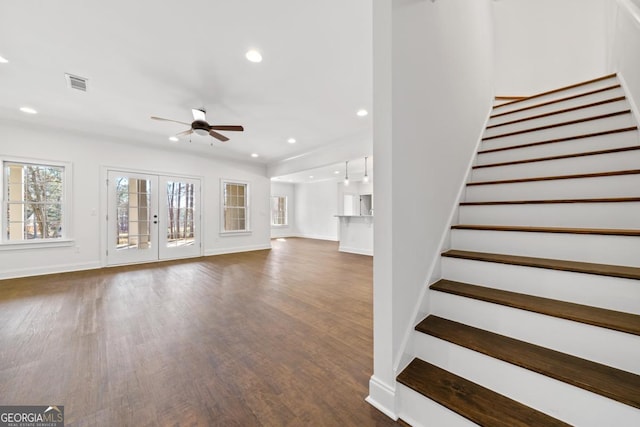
point(132, 218)
point(179, 217)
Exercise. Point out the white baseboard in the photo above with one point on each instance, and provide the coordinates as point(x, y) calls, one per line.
point(382, 397)
point(356, 250)
point(222, 251)
point(51, 269)
point(317, 237)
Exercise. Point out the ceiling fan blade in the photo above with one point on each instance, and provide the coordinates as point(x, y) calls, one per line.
point(227, 127)
point(216, 135)
point(169, 120)
point(186, 132)
point(198, 115)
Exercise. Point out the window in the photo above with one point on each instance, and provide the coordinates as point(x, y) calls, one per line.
point(235, 197)
point(34, 201)
point(279, 210)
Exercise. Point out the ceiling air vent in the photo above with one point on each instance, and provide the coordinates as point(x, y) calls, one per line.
point(76, 82)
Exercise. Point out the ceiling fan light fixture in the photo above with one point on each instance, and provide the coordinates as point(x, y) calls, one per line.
point(201, 132)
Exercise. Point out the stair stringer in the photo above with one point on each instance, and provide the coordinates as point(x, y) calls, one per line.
point(421, 308)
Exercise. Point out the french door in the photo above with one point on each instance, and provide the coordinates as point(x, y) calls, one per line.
point(152, 217)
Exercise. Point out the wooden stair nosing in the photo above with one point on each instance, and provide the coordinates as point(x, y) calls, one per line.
point(503, 98)
point(559, 157)
point(607, 381)
point(553, 113)
point(555, 101)
point(470, 400)
point(569, 138)
point(555, 125)
point(553, 201)
point(595, 316)
point(538, 95)
point(560, 230)
point(557, 177)
point(619, 271)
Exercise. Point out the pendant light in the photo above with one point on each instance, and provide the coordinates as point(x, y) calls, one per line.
point(346, 173)
point(366, 177)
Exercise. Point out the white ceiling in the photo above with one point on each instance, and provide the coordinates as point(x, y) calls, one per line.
point(162, 58)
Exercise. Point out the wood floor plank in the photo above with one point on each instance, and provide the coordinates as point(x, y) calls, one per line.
point(616, 320)
point(552, 264)
point(604, 380)
point(266, 338)
point(470, 400)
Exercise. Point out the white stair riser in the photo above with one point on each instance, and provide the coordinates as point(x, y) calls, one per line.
point(576, 188)
point(577, 215)
point(565, 131)
point(420, 411)
point(599, 249)
point(582, 113)
point(595, 143)
point(622, 160)
point(562, 335)
point(557, 95)
point(555, 398)
point(612, 293)
point(583, 100)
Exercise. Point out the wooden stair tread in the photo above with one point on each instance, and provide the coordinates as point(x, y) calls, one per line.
point(569, 138)
point(552, 201)
point(549, 92)
point(551, 264)
point(559, 157)
point(610, 319)
point(555, 125)
point(558, 177)
point(607, 381)
point(565, 230)
point(555, 101)
point(470, 400)
point(553, 113)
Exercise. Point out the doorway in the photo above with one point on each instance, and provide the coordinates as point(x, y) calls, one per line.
point(152, 217)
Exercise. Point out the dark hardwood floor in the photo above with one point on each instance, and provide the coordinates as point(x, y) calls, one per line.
point(266, 338)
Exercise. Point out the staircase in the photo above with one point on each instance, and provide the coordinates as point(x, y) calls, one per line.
point(536, 320)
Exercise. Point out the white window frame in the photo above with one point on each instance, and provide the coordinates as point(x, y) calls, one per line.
point(247, 198)
point(286, 211)
point(66, 238)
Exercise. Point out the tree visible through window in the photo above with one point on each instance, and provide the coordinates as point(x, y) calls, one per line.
point(34, 195)
point(235, 206)
point(279, 210)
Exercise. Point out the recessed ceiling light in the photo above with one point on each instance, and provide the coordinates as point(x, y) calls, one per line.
point(173, 139)
point(362, 113)
point(3, 60)
point(336, 172)
point(254, 155)
point(311, 176)
point(253, 56)
point(28, 110)
point(291, 140)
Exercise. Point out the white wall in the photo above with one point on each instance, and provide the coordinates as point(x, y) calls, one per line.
point(88, 154)
point(626, 48)
point(287, 190)
point(545, 44)
point(430, 107)
point(316, 205)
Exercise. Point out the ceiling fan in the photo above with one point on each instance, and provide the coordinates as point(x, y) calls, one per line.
point(201, 127)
